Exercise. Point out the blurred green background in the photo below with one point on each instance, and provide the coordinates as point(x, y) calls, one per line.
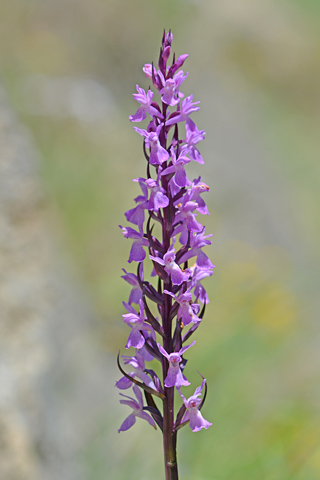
point(69, 68)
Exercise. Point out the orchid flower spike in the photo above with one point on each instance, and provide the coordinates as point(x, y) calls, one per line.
point(166, 232)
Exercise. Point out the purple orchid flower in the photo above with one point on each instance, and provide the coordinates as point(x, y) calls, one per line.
point(137, 411)
point(177, 168)
point(137, 362)
point(193, 414)
point(136, 214)
point(193, 137)
point(175, 377)
point(136, 292)
point(145, 100)
point(197, 275)
point(187, 107)
point(157, 199)
point(187, 310)
point(197, 242)
point(158, 154)
point(170, 90)
point(149, 337)
point(137, 324)
point(178, 63)
point(173, 270)
point(188, 220)
point(147, 68)
point(151, 73)
point(137, 252)
point(197, 188)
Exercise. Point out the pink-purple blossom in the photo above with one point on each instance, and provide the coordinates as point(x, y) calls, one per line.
point(187, 107)
point(136, 292)
point(193, 137)
point(186, 216)
point(158, 198)
point(193, 414)
point(197, 275)
point(197, 242)
point(137, 252)
point(158, 154)
point(171, 267)
point(136, 215)
point(138, 364)
point(170, 88)
point(197, 189)
point(175, 377)
point(137, 410)
point(138, 325)
point(187, 310)
point(177, 168)
point(145, 100)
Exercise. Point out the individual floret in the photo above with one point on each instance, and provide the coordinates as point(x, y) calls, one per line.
point(193, 414)
point(175, 377)
point(137, 411)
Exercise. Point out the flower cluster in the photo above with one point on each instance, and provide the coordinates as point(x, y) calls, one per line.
point(163, 314)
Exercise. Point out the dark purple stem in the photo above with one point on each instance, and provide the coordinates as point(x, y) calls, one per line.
point(169, 434)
